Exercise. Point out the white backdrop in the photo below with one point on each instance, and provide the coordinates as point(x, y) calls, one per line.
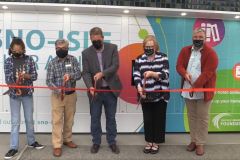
point(39, 31)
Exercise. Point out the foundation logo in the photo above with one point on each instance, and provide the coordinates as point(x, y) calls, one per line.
point(214, 29)
point(217, 119)
point(226, 121)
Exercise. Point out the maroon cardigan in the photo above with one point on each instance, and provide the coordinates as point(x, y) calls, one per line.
point(209, 63)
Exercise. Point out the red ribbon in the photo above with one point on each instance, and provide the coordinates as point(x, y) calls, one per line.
point(107, 90)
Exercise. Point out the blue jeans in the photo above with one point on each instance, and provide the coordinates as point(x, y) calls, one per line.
point(109, 101)
point(15, 105)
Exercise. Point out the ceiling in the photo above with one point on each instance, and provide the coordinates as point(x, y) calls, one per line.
point(113, 10)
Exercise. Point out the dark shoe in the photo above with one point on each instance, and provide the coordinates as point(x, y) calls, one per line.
point(199, 150)
point(154, 149)
point(95, 148)
point(147, 149)
point(191, 147)
point(10, 154)
point(36, 145)
point(114, 148)
point(57, 152)
point(70, 144)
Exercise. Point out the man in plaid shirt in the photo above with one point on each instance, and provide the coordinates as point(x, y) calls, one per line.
point(63, 71)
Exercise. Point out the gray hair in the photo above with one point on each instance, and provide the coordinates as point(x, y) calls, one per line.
point(61, 41)
point(197, 30)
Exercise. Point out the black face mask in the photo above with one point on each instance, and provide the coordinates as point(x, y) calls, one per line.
point(62, 53)
point(97, 44)
point(149, 51)
point(17, 55)
point(198, 43)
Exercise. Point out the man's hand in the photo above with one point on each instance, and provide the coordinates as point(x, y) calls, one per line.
point(18, 92)
point(91, 90)
point(141, 92)
point(57, 91)
point(26, 76)
point(98, 76)
point(66, 77)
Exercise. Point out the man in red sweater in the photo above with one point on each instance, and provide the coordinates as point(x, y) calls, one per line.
point(197, 65)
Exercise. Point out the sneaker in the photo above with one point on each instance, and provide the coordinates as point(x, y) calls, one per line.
point(11, 153)
point(37, 145)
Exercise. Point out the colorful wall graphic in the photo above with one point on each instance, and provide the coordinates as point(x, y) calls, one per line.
point(40, 30)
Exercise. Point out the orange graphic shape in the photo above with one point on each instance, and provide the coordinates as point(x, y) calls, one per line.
point(126, 55)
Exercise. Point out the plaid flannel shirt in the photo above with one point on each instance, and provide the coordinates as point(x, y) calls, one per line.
point(29, 68)
point(58, 68)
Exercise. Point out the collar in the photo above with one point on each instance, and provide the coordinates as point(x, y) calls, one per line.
point(65, 58)
point(146, 57)
point(101, 50)
point(199, 50)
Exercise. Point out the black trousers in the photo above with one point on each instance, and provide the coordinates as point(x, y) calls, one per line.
point(154, 118)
